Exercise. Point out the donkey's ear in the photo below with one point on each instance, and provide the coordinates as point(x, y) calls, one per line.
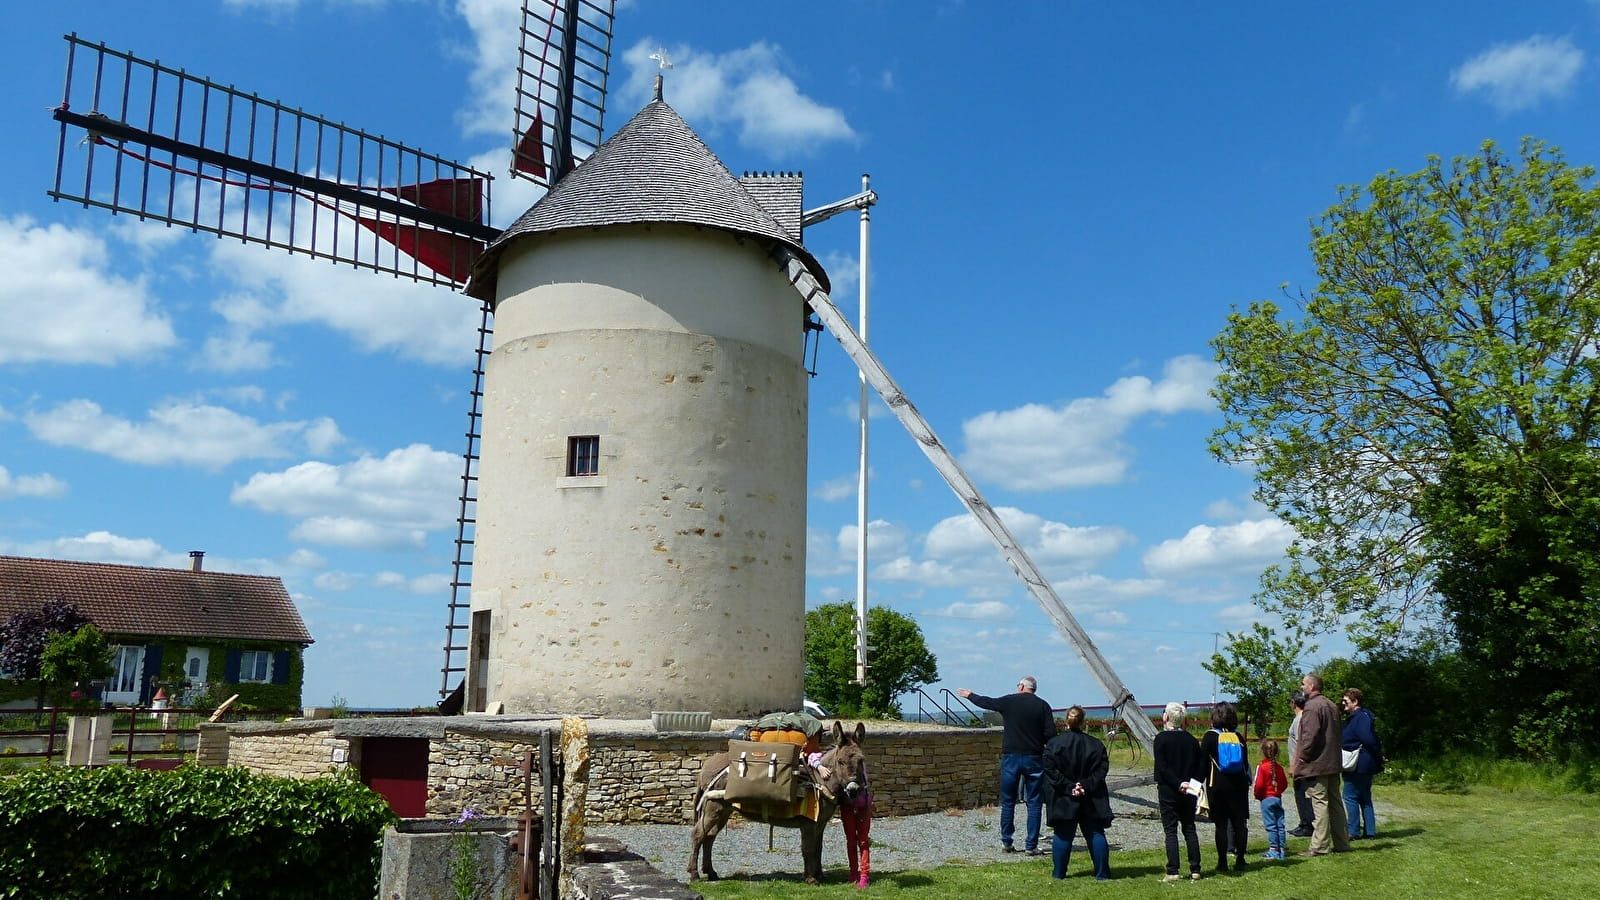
point(838, 732)
point(861, 732)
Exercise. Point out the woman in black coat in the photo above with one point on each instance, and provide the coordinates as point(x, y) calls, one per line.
point(1075, 795)
point(1179, 760)
point(1227, 792)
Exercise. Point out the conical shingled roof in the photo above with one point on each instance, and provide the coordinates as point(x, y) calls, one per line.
point(656, 169)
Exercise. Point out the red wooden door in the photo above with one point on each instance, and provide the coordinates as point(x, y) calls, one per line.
point(397, 768)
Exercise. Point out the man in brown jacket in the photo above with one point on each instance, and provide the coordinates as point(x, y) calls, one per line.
point(1317, 757)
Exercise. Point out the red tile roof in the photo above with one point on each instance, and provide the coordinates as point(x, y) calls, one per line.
point(138, 600)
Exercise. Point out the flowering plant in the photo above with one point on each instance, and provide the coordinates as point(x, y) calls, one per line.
point(464, 856)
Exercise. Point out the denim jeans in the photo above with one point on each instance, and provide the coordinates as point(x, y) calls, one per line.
point(1272, 821)
point(1362, 818)
point(1099, 850)
point(1020, 770)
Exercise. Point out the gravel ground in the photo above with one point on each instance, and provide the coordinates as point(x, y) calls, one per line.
point(902, 843)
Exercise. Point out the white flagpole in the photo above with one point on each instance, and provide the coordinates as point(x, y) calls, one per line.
point(861, 475)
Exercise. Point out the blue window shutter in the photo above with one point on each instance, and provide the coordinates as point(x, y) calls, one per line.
point(152, 668)
point(280, 667)
point(230, 668)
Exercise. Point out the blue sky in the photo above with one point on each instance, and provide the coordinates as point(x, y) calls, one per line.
point(1074, 195)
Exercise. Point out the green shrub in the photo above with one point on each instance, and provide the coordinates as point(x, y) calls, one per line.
point(190, 832)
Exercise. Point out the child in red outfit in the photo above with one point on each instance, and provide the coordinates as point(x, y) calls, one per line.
point(856, 815)
point(1270, 784)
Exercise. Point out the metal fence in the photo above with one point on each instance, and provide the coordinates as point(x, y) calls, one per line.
point(38, 736)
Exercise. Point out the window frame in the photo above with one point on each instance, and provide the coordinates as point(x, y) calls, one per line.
point(583, 455)
point(253, 665)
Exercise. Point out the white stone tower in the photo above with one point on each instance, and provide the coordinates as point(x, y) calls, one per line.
point(640, 535)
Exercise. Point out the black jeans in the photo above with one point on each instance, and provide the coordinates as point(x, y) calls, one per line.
point(1175, 813)
point(1230, 818)
point(1302, 805)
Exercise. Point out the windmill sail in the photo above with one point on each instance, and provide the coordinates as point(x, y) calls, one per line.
point(561, 86)
point(161, 144)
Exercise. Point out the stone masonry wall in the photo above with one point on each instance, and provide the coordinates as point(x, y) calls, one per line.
point(481, 772)
point(650, 779)
point(297, 749)
point(628, 775)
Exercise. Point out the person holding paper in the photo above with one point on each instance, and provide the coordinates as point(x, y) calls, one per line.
point(1180, 770)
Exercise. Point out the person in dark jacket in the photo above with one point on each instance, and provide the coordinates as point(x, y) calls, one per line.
point(1076, 795)
point(1361, 735)
point(1228, 792)
point(1029, 724)
point(1178, 760)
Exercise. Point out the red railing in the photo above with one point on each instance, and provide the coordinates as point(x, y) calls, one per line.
point(142, 733)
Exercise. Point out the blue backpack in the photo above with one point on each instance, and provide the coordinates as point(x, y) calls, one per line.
point(1230, 752)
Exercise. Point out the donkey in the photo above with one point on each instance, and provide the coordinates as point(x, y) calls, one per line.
point(847, 776)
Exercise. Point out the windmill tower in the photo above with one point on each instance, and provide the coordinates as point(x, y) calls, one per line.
point(646, 396)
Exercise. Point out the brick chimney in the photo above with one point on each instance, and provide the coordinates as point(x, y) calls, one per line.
point(195, 560)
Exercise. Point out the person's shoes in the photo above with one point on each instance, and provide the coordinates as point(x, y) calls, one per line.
point(1007, 848)
point(1238, 863)
point(1169, 878)
point(1273, 853)
point(1301, 832)
point(1194, 876)
point(1311, 853)
point(1036, 852)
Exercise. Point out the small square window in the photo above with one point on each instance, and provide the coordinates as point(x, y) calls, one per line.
point(583, 455)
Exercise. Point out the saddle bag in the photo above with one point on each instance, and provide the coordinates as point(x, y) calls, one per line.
point(763, 772)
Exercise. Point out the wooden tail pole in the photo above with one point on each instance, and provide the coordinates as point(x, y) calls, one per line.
point(1121, 698)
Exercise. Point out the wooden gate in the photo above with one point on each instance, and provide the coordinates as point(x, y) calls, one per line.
point(397, 768)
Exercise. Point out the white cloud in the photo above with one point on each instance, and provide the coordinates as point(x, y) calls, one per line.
point(61, 302)
point(434, 585)
point(1521, 75)
point(177, 432)
point(102, 546)
point(1047, 543)
point(45, 485)
point(1037, 447)
point(836, 555)
point(433, 325)
point(987, 609)
point(390, 502)
point(958, 553)
point(1242, 547)
point(744, 91)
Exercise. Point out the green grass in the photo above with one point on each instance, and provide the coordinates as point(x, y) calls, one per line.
point(1484, 843)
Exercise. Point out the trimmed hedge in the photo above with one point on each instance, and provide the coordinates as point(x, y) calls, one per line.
point(189, 832)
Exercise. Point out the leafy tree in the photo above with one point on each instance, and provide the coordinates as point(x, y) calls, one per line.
point(899, 660)
point(1515, 540)
point(1260, 671)
point(1432, 416)
point(23, 636)
point(72, 660)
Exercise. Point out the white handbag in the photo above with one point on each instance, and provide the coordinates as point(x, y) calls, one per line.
point(1350, 758)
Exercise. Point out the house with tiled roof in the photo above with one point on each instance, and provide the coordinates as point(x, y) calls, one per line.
point(203, 631)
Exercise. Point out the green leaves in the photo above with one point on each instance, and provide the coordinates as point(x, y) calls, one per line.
point(1401, 421)
point(899, 660)
point(112, 831)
